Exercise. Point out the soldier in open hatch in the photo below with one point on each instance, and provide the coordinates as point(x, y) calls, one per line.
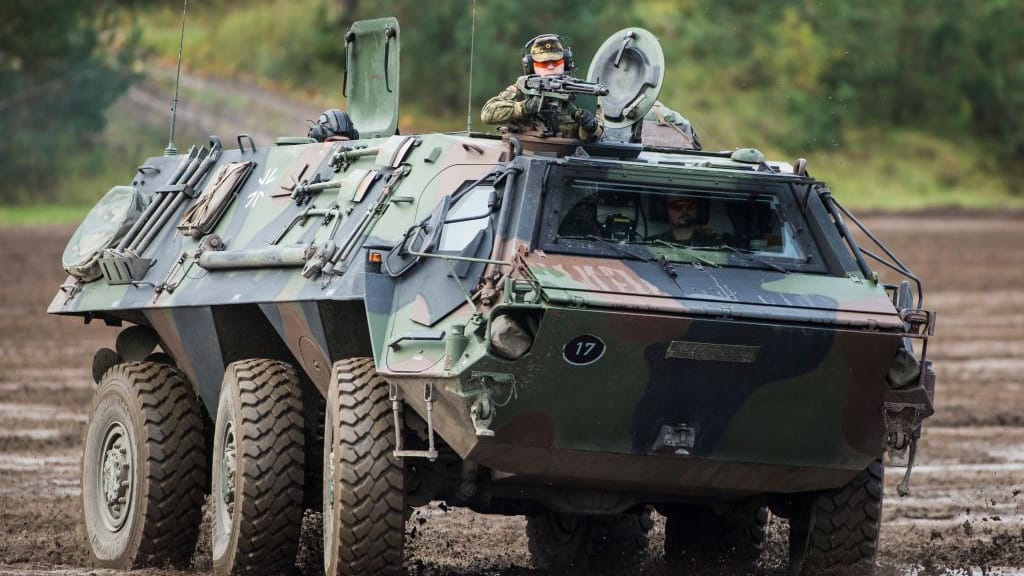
point(544, 55)
point(666, 127)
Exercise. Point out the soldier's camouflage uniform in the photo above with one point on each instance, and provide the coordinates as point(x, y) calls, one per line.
point(508, 108)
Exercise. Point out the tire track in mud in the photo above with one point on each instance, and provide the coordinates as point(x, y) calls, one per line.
point(966, 509)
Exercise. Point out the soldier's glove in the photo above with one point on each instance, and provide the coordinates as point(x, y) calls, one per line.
point(586, 120)
point(529, 108)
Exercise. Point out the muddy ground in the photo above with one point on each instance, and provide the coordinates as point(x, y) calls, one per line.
point(965, 515)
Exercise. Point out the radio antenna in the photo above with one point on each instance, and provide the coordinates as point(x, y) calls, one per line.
point(469, 96)
point(171, 149)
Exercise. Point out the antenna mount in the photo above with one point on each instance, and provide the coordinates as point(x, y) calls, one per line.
point(171, 149)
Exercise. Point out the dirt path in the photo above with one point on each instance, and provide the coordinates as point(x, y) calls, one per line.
point(216, 106)
point(966, 510)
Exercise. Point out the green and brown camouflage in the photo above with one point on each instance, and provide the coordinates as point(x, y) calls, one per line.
point(550, 359)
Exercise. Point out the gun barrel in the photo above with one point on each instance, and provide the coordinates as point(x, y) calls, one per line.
point(563, 85)
point(580, 87)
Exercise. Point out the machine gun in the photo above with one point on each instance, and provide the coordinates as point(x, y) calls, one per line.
point(558, 92)
point(558, 87)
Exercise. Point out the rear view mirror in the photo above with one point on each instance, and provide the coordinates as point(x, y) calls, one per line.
point(420, 238)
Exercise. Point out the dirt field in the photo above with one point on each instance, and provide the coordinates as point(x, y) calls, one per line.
point(965, 514)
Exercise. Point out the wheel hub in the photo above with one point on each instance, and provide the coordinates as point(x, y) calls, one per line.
point(115, 481)
point(228, 465)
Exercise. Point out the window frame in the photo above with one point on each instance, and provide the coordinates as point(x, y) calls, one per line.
point(557, 183)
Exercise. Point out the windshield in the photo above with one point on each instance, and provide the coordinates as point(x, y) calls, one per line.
point(747, 228)
point(466, 219)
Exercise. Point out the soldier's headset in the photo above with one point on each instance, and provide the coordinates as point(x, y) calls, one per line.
point(566, 53)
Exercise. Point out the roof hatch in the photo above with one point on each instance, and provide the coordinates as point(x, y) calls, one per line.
point(371, 76)
point(632, 65)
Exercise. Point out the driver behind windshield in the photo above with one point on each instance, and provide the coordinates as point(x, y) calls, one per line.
point(688, 218)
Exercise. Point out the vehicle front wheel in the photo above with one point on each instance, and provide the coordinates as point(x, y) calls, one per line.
point(258, 469)
point(144, 471)
point(835, 532)
point(364, 495)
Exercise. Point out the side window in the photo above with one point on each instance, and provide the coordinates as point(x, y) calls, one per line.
point(466, 219)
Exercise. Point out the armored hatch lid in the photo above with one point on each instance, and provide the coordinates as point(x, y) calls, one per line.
point(632, 64)
point(371, 76)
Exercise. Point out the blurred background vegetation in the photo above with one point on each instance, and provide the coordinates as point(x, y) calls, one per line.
point(899, 104)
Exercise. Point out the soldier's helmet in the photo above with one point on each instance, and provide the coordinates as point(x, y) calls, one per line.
point(545, 48)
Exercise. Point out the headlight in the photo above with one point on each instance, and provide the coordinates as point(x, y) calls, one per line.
point(509, 339)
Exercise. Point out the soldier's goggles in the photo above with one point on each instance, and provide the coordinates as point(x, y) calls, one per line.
point(549, 64)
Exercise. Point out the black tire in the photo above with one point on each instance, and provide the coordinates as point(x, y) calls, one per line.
point(315, 408)
point(258, 469)
point(151, 411)
point(364, 496)
point(836, 531)
point(561, 543)
point(726, 540)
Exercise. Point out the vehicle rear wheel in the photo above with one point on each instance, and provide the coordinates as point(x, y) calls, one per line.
point(258, 469)
point(144, 472)
point(571, 543)
point(363, 488)
point(703, 540)
point(836, 531)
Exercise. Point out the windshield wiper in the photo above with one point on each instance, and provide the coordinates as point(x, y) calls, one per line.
point(750, 257)
point(688, 250)
point(611, 244)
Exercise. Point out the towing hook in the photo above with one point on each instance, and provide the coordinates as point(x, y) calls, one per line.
point(903, 488)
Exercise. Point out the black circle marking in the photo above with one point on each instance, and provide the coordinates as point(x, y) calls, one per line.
point(583, 350)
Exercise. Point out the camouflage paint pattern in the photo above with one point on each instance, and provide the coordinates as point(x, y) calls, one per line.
point(779, 377)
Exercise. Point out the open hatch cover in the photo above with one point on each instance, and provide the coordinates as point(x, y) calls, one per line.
point(632, 65)
point(371, 76)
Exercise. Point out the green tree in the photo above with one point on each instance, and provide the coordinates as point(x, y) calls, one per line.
point(437, 42)
point(62, 63)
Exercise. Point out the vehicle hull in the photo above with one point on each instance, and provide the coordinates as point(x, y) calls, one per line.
point(761, 406)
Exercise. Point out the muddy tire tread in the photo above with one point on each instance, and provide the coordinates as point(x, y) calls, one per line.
point(612, 541)
point(370, 480)
point(728, 541)
point(845, 522)
point(176, 462)
point(271, 418)
point(175, 469)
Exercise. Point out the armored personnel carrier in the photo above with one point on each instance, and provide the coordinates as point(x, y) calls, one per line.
point(362, 322)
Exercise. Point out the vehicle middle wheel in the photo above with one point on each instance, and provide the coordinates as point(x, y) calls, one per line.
point(144, 473)
point(561, 543)
point(363, 488)
point(258, 469)
point(726, 540)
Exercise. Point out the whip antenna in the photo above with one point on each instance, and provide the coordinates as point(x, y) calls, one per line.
point(171, 149)
point(469, 97)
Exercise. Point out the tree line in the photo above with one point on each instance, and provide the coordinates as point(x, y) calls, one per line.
point(953, 68)
point(62, 63)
